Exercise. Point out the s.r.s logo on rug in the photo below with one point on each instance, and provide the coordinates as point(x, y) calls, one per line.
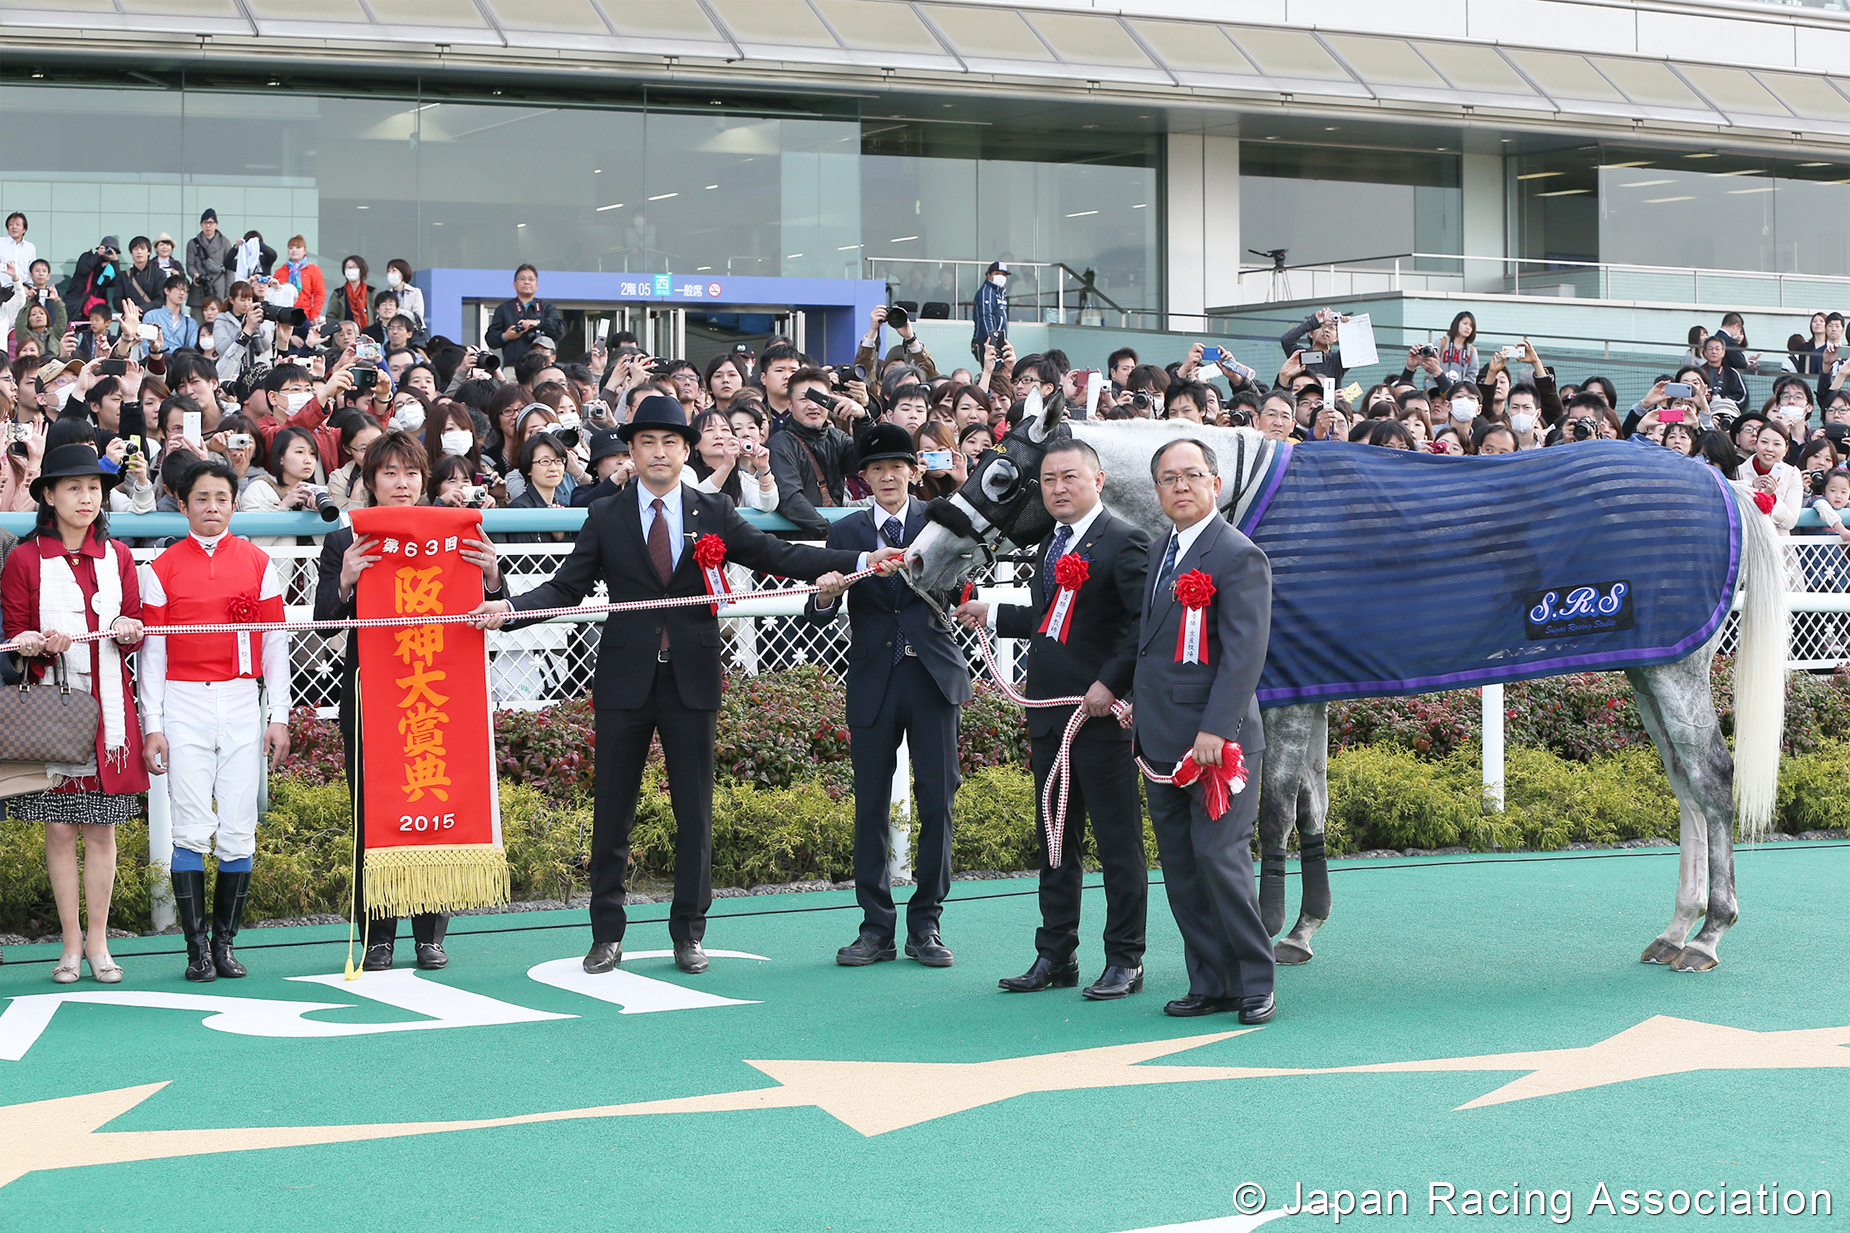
point(1566, 612)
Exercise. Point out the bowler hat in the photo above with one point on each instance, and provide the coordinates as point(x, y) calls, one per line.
point(658, 411)
point(887, 441)
point(69, 462)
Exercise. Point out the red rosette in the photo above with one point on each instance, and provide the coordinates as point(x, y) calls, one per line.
point(1071, 571)
point(1766, 502)
point(243, 609)
point(709, 551)
point(1194, 589)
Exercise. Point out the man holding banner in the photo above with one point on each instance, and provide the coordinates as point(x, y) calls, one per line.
point(658, 670)
point(415, 715)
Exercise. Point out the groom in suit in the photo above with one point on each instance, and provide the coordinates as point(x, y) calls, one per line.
point(906, 680)
point(658, 671)
point(1199, 698)
point(1083, 645)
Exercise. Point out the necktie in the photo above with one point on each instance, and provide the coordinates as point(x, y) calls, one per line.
point(660, 554)
point(895, 532)
point(1168, 573)
point(1055, 551)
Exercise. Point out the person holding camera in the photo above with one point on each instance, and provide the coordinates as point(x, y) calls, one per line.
point(1310, 346)
point(203, 714)
point(517, 322)
point(910, 348)
point(810, 457)
point(241, 337)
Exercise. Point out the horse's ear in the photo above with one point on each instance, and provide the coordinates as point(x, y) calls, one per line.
point(1041, 417)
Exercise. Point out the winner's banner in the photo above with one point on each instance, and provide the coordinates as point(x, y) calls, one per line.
point(433, 819)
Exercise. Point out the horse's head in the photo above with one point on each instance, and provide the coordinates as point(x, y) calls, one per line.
point(1000, 501)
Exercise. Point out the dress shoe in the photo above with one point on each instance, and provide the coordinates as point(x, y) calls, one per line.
point(690, 958)
point(603, 957)
point(930, 951)
point(378, 958)
point(864, 950)
point(1198, 1004)
point(1044, 974)
point(1257, 1010)
point(431, 956)
point(1116, 982)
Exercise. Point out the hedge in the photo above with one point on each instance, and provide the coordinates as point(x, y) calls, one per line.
point(1380, 797)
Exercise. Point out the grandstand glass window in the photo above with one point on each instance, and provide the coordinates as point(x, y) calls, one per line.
point(1338, 204)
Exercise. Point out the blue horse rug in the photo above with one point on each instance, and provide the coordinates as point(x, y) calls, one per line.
point(1396, 572)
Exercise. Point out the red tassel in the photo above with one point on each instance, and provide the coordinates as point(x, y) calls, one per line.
point(1766, 502)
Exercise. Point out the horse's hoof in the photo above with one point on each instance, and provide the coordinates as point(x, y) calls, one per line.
point(1689, 959)
point(1659, 951)
point(1289, 953)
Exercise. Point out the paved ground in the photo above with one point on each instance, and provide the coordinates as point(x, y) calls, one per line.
point(1471, 1026)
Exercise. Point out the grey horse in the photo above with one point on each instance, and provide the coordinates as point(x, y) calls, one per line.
point(1001, 501)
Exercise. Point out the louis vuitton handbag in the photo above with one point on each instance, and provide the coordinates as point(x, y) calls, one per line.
point(47, 721)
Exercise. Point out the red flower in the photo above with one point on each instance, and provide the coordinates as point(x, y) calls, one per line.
point(709, 551)
point(1194, 589)
point(1765, 501)
point(1071, 571)
point(243, 609)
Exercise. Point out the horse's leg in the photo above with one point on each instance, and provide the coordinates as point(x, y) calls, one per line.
point(1280, 770)
point(1313, 860)
point(1678, 710)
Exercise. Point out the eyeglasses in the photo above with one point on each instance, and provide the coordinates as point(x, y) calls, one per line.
point(1175, 479)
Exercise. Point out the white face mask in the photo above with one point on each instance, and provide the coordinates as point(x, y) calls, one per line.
point(1463, 409)
point(393, 278)
point(295, 400)
point(1522, 422)
point(1000, 280)
point(409, 418)
point(353, 273)
point(457, 441)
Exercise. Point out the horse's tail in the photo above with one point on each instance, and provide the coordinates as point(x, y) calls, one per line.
point(1759, 670)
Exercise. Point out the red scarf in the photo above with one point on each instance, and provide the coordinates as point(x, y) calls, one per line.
point(1760, 470)
point(356, 304)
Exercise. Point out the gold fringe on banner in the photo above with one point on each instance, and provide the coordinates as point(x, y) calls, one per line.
point(439, 878)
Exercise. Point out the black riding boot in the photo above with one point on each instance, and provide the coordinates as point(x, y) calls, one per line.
point(228, 895)
point(189, 902)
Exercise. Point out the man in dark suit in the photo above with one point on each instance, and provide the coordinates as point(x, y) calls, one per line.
point(1085, 645)
point(1196, 693)
point(640, 543)
point(906, 679)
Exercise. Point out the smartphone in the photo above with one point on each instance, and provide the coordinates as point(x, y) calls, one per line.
point(367, 351)
point(1210, 355)
point(936, 460)
point(1678, 389)
point(1670, 415)
point(192, 427)
point(1310, 357)
point(1511, 353)
point(150, 333)
point(603, 328)
point(113, 368)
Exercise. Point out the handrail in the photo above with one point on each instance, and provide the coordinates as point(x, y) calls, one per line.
point(1343, 263)
point(1090, 286)
point(494, 521)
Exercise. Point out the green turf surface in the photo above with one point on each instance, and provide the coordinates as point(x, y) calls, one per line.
point(1428, 960)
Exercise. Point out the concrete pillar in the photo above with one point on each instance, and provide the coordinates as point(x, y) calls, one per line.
point(1202, 227)
point(1486, 227)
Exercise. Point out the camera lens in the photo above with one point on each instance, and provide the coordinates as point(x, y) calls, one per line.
point(324, 505)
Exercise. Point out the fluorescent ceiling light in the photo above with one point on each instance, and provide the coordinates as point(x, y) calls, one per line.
point(663, 196)
point(615, 206)
point(1662, 200)
point(1637, 162)
point(1564, 192)
point(1752, 171)
point(1082, 213)
point(901, 239)
point(1701, 156)
point(847, 247)
point(1814, 164)
point(1644, 183)
point(1540, 175)
point(1736, 192)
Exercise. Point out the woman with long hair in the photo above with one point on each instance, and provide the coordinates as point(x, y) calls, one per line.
point(498, 450)
point(720, 458)
point(1458, 352)
point(69, 578)
point(357, 431)
point(352, 299)
point(938, 481)
point(724, 378)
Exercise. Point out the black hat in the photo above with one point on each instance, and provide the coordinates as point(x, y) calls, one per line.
point(69, 462)
point(209, 213)
point(113, 244)
point(887, 441)
point(606, 442)
point(655, 412)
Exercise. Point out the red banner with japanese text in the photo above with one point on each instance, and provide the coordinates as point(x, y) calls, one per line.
point(432, 813)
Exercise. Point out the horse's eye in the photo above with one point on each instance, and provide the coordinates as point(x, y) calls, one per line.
point(999, 478)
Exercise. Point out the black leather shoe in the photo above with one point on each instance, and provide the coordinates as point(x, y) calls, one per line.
point(378, 958)
point(1116, 982)
point(1044, 974)
point(865, 950)
point(930, 950)
point(1257, 1010)
point(690, 958)
point(431, 956)
point(1198, 1004)
point(603, 957)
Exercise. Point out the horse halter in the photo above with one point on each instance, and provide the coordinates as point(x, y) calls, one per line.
point(992, 499)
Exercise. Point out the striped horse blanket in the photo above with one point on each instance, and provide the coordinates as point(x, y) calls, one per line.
point(1396, 572)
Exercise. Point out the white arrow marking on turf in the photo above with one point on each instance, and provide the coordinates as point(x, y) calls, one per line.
point(636, 994)
point(1219, 1224)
